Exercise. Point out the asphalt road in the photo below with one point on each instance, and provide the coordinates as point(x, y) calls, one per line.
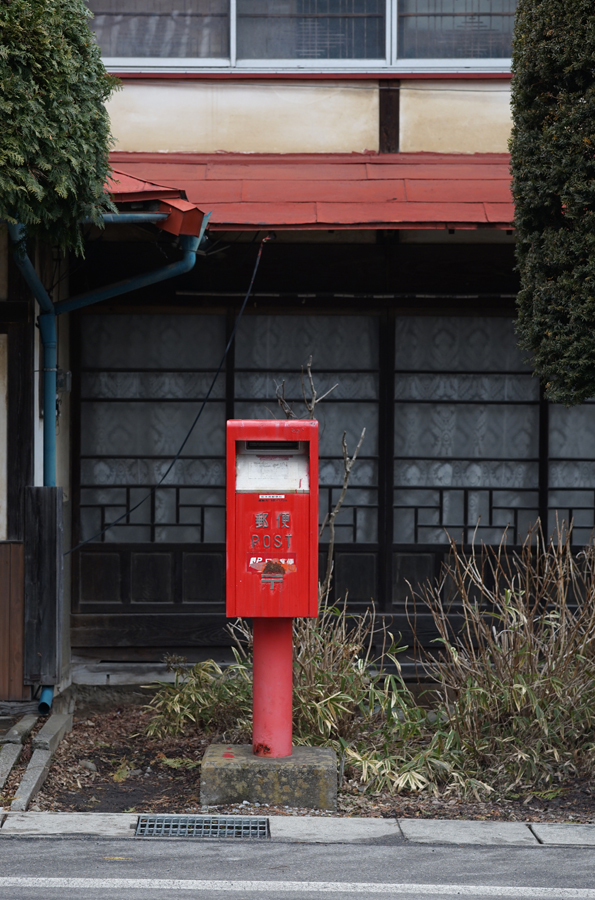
point(136, 869)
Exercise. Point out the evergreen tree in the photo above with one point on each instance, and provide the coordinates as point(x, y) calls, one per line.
point(55, 134)
point(553, 168)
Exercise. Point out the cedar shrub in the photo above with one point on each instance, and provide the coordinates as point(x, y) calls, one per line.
point(55, 134)
point(553, 170)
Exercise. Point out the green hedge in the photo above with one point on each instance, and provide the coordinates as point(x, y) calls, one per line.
point(55, 134)
point(553, 168)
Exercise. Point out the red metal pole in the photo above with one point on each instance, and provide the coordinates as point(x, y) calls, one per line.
point(273, 687)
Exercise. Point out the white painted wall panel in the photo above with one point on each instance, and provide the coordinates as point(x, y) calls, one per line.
point(455, 116)
point(246, 117)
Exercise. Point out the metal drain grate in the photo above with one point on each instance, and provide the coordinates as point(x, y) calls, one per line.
point(246, 827)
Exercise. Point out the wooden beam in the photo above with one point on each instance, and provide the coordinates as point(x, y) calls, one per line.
point(389, 116)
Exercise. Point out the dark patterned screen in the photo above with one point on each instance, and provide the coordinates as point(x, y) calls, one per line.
point(466, 431)
point(141, 379)
point(271, 349)
point(474, 446)
point(572, 468)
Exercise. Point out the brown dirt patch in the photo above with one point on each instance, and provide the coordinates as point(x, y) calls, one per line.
point(140, 774)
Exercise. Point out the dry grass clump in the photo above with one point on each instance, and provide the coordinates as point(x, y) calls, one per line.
point(343, 696)
point(514, 667)
point(517, 633)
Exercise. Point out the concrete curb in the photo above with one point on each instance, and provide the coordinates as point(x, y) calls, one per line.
point(327, 830)
point(322, 829)
point(35, 775)
point(49, 823)
point(19, 732)
point(455, 831)
point(43, 744)
point(564, 835)
point(52, 732)
point(9, 755)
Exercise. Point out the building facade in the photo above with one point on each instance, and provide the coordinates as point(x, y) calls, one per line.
point(371, 137)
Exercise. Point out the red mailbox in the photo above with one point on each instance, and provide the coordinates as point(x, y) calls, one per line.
point(272, 557)
point(272, 518)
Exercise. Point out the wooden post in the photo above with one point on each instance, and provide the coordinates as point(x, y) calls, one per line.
point(43, 585)
point(12, 622)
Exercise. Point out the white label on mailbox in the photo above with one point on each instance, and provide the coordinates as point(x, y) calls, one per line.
point(266, 473)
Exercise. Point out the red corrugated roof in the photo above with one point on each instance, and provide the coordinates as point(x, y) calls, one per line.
point(126, 188)
point(404, 190)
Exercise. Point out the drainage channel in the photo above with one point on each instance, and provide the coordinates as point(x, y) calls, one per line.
point(243, 827)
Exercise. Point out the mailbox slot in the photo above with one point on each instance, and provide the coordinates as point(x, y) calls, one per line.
point(275, 447)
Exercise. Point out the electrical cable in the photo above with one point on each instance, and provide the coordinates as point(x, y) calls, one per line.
point(268, 237)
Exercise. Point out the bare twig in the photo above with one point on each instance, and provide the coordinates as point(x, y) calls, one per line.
point(280, 393)
point(314, 400)
point(311, 402)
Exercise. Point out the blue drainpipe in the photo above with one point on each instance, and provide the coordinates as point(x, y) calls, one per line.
point(48, 332)
point(189, 244)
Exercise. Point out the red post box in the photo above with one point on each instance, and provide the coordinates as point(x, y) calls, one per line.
point(272, 556)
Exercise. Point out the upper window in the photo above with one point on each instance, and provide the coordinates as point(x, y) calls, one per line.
point(311, 29)
point(459, 29)
point(189, 29)
point(303, 33)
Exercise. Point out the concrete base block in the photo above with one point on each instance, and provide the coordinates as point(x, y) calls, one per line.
point(307, 778)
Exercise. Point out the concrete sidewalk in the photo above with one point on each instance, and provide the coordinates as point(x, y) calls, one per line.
point(315, 829)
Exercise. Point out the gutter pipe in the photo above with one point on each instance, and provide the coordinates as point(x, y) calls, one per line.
point(128, 218)
point(189, 244)
point(49, 339)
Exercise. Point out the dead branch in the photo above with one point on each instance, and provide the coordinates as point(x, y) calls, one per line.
point(311, 402)
point(314, 400)
point(325, 587)
point(280, 394)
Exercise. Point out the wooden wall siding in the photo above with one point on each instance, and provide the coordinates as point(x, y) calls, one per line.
point(163, 632)
point(12, 622)
point(43, 584)
point(150, 576)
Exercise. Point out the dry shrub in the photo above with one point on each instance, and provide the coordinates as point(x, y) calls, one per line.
point(205, 695)
point(514, 665)
point(342, 698)
point(516, 651)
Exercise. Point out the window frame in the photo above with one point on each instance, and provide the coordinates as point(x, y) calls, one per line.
point(229, 65)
